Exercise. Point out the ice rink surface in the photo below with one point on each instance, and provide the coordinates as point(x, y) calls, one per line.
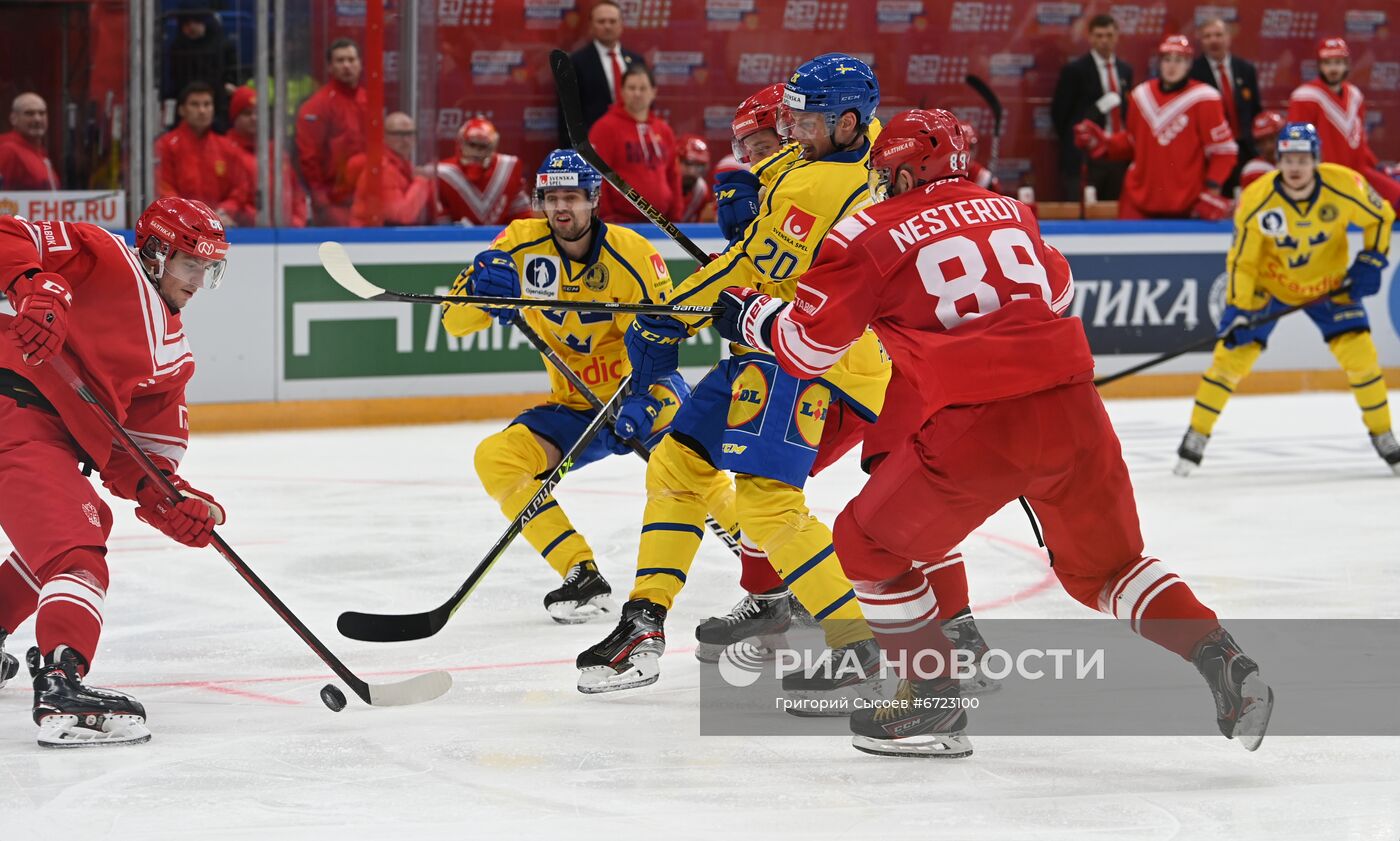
point(1292, 515)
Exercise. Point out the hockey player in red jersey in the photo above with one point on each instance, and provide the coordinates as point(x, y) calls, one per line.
point(693, 156)
point(1337, 109)
point(1178, 139)
point(976, 172)
point(481, 185)
point(1266, 128)
point(968, 300)
point(115, 316)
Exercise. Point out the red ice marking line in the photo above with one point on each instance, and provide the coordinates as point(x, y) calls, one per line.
point(257, 696)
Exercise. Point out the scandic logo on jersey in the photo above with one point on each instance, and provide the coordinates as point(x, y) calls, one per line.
point(798, 223)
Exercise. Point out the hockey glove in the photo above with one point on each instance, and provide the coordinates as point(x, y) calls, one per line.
point(636, 418)
point(1108, 102)
point(1090, 136)
point(653, 346)
point(191, 521)
point(736, 202)
point(1365, 273)
point(1212, 207)
point(1233, 329)
point(748, 317)
point(494, 275)
point(41, 301)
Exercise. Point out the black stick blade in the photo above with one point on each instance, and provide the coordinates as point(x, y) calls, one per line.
point(377, 627)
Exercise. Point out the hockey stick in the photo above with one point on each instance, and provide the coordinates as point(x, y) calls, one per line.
point(567, 83)
point(342, 270)
point(415, 690)
point(985, 91)
point(386, 627)
point(582, 388)
point(1210, 341)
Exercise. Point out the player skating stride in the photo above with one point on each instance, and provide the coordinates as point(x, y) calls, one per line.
point(1290, 247)
point(570, 255)
point(78, 290)
point(968, 300)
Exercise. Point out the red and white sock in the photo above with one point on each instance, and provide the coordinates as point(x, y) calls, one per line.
point(903, 614)
point(1158, 605)
point(948, 578)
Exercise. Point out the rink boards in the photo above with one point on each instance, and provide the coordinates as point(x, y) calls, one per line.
point(279, 332)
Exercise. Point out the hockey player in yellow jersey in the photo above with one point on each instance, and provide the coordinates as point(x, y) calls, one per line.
point(747, 416)
point(1290, 247)
point(569, 255)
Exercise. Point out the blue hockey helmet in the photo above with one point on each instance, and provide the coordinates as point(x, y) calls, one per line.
point(831, 84)
point(1299, 137)
point(565, 169)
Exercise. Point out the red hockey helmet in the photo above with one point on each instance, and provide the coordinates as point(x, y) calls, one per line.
point(1175, 44)
point(1267, 124)
point(970, 133)
point(479, 130)
point(692, 149)
point(1332, 48)
point(175, 224)
point(929, 142)
point(755, 114)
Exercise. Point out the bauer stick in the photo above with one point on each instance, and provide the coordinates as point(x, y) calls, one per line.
point(1210, 341)
point(989, 96)
point(381, 627)
point(582, 387)
point(342, 270)
point(415, 690)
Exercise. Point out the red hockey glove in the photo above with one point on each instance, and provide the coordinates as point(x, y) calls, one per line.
point(41, 303)
point(1212, 207)
point(1090, 136)
point(191, 521)
point(748, 317)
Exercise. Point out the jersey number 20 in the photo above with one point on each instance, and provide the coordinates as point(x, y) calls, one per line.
point(1009, 246)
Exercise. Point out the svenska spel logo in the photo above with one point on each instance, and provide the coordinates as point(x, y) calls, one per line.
point(798, 224)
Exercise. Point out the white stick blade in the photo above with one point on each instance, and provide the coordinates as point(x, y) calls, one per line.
point(337, 263)
point(415, 690)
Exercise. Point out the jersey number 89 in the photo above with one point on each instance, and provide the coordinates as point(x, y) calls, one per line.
point(1010, 247)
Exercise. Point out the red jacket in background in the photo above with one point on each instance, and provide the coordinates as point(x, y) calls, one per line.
point(1341, 128)
point(1177, 142)
point(330, 131)
point(494, 194)
point(293, 196)
point(206, 169)
point(122, 337)
point(644, 155)
point(404, 198)
point(24, 166)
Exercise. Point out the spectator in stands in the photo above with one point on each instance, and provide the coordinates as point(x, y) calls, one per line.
point(697, 199)
point(244, 134)
point(976, 172)
point(480, 185)
point(24, 156)
point(1266, 128)
point(1092, 87)
point(330, 131)
point(195, 162)
point(1238, 83)
point(600, 66)
point(405, 195)
point(202, 52)
point(1338, 110)
point(641, 147)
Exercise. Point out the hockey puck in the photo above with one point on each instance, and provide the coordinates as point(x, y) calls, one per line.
point(333, 697)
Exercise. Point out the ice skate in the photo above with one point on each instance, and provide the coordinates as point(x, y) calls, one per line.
point(1243, 701)
point(9, 663)
point(764, 616)
point(801, 616)
point(924, 719)
point(962, 631)
point(834, 684)
point(1190, 453)
point(629, 657)
point(1388, 448)
point(584, 596)
point(72, 715)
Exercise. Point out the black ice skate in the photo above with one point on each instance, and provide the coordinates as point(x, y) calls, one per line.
point(1388, 448)
point(801, 616)
point(628, 657)
point(1190, 453)
point(583, 596)
point(9, 663)
point(766, 616)
point(72, 715)
point(962, 631)
point(925, 718)
point(833, 685)
point(1243, 701)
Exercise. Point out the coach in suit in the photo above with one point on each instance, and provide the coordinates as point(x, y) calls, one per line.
point(600, 66)
point(1092, 87)
point(1238, 84)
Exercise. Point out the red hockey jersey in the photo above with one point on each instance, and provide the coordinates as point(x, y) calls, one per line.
point(128, 345)
point(488, 195)
point(1340, 121)
point(204, 168)
point(962, 291)
point(1177, 142)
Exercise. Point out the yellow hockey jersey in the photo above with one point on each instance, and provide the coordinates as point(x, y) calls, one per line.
point(801, 201)
point(621, 266)
point(1297, 251)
